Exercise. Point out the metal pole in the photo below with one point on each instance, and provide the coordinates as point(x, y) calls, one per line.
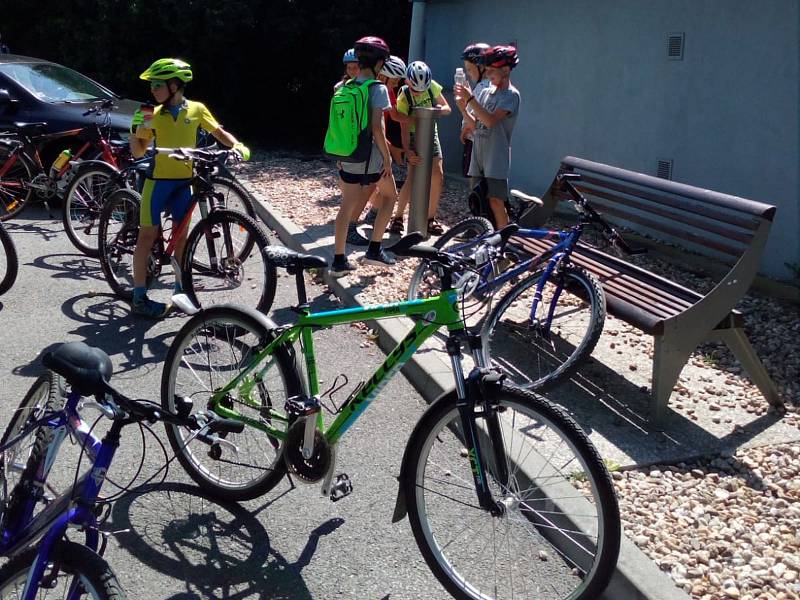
point(416, 43)
point(421, 183)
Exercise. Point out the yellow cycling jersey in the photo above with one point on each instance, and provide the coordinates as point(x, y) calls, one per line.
point(426, 99)
point(180, 132)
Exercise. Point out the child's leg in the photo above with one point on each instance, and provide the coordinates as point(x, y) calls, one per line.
point(437, 182)
point(387, 193)
point(498, 207)
point(351, 198)
point(405, 193)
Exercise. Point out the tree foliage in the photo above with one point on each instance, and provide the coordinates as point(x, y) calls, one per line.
point(265, 67)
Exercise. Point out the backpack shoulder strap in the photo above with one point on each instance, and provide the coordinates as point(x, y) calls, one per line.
point(407, 93)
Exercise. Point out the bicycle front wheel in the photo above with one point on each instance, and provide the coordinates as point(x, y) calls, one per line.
point(542, 349)
point(79, 569)
point(83, 201)
point(557, 532)
point(9, 261)
point(225, 262)
point(118, 233)
point(228, 194)
point(209, 351)
point(15, 189)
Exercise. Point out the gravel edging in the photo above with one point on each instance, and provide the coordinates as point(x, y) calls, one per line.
point(636, 577)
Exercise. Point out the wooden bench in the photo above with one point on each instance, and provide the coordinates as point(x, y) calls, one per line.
point(703, 221)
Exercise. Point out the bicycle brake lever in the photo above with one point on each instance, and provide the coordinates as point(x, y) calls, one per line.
point(106, 410)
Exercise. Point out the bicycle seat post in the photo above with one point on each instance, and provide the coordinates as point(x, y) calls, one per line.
point(300, 282)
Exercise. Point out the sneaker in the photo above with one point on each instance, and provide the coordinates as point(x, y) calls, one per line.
point(150, 308)
point(396, 225)
point(381, 258)
point(339, 270)
point(434, 227)
point(371, 216)
point(354, 238)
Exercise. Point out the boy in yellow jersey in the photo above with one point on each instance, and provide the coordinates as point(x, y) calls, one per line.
point(173, 124)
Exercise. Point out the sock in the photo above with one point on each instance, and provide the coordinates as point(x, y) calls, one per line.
point(374, 247)
point(338, 259)
point(139, 293)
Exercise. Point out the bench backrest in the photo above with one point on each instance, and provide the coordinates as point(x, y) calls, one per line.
point(702, 220)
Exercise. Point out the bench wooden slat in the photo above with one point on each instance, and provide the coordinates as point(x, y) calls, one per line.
point(703, 225)
point(750, 223)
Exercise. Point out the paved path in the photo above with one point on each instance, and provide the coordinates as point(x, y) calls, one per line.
point(292, 543)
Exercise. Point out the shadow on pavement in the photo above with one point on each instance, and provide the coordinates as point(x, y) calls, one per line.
point(218, 550)
point(71, 266)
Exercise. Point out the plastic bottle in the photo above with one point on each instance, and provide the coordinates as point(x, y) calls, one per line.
point(460, 78)
point(62, 159)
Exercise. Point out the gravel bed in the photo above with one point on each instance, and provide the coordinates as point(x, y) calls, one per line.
point(723, 527)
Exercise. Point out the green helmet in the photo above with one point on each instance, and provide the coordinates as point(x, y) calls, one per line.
point(167, 68)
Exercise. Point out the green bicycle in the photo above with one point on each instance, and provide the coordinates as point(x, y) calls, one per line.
point(505, 494)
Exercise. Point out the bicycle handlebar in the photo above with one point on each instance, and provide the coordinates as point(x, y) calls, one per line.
point(200, 154)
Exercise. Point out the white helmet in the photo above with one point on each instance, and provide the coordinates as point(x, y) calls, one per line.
point(418, 76)
point(394, 67)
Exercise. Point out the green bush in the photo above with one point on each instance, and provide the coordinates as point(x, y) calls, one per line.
point(265, 68)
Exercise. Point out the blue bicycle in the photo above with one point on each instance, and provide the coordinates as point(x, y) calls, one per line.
point(536, 334)
point(33, 524)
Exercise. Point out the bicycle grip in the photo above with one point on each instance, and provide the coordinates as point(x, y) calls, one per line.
point(226, 425)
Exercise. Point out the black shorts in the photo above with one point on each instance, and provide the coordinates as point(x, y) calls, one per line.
point(360, 178)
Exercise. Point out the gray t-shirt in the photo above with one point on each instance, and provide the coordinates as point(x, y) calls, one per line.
point(378, 98)
point(491, 152)
point(478, 87)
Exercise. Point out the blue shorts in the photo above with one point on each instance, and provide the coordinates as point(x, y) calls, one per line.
point(158, 195)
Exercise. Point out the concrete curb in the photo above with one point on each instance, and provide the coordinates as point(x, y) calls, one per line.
point(636, 576)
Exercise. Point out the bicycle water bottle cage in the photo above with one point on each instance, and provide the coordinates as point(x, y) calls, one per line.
point(302, 406)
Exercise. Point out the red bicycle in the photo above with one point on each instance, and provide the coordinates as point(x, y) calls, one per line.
point(23, 175)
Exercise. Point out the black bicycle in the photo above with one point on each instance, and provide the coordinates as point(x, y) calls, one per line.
point(9, 262)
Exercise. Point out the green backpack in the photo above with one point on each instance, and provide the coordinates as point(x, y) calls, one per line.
point(349, 136)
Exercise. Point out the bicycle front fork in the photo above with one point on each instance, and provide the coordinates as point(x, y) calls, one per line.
point(475, 400)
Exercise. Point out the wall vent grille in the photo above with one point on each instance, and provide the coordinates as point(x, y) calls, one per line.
point(664, 168)
point(675, 46)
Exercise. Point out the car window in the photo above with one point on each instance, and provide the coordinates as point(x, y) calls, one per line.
point(54, 83)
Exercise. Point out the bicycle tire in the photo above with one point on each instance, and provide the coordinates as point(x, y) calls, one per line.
point(231, 279)
point(118, 232)
point(16, 179)
point(542, 541)
point(424, 282)
point(237, 196)
point(529, 359)
point(97, 579)
point(83, 202)
point(44, 396)
point(9, 267)
point(204, 346)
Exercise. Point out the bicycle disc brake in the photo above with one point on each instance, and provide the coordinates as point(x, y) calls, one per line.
point(308, 470)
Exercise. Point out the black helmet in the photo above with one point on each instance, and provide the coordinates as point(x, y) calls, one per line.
point(473, 52)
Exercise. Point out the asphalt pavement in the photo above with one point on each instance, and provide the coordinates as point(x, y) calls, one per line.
point(175, 543)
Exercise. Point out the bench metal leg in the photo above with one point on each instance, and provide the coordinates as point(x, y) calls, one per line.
point(736, 340)
point(668, 362)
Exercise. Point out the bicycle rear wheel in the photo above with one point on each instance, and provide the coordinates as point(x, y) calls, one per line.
point(228, 194)
point(211, 349)
point(558, 533)
point(77, 566)
point(118, 233)
point(83, 201)
point(9, 261)
point(15, 190)
point(225, 262)
point(19, 461)
point(522, 346)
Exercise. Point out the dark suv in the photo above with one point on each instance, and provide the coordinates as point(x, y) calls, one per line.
point(34, 90)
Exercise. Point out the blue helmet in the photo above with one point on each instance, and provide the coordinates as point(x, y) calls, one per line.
point(349, 56)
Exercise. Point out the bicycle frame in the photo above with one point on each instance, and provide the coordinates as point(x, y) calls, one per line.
point(437, 312)
point(74, 507)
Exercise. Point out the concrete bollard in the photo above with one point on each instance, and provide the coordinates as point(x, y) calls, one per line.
point(421, 184)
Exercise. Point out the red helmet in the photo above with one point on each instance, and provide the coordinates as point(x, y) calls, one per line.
point(500, 56)
point(372, 46)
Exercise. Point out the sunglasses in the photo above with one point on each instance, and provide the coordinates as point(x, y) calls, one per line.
point(156, 85)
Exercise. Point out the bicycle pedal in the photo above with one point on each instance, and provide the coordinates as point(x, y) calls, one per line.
point(340, 487)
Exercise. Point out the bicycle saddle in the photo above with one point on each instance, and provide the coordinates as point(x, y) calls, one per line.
point(291, 260)
point(85, 368)
point(29, 128)
point(526, 197)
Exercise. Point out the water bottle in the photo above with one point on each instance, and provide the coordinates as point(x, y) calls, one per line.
point(61, 160)
point(460, 77)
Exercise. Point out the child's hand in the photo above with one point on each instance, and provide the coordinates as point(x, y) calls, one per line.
point(467, 131)
point(462, 93)
point(413, 158)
